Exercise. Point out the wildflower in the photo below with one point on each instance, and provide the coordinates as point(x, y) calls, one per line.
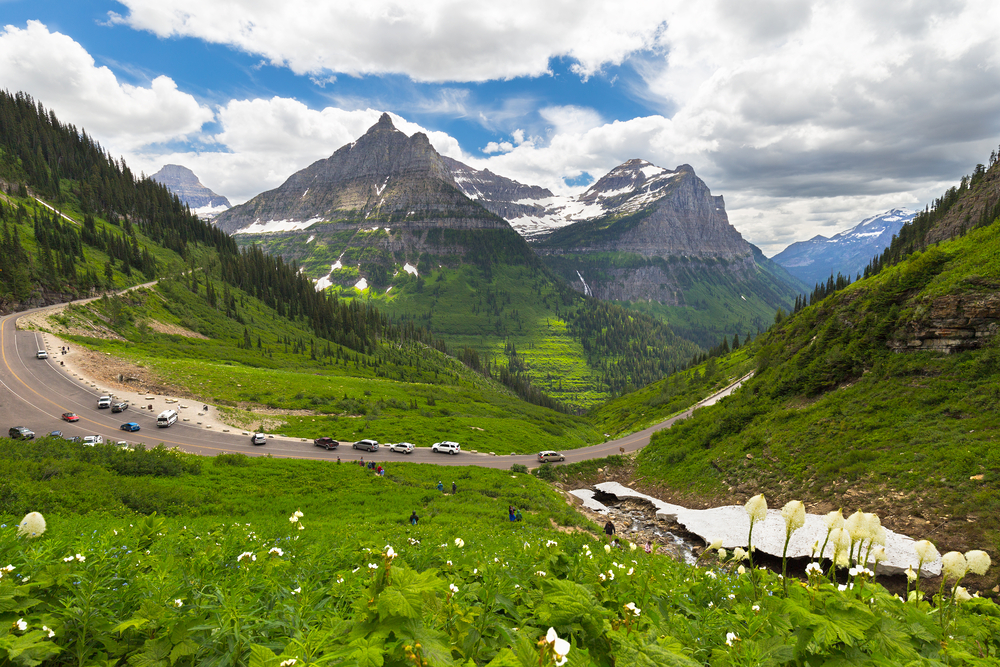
point(297, 514)
point(842, 587)
point(559, 646)
point(813, 568)
point(288, 663)
point(910, 574)
point(453, 588)
point(722, 554)
point(714, 544)
point(611, 575)
point(739, 554)
point(551, 543)
point(978, 561)
point(67, 559)
point(459, 542)
point(340, 580)
point(178, 602)
point(632, 608)
point(47, 629)
point(246, 554)
point(710, 573)
point(413, 542)
point(878, 555)
point(856, 526)
point(756, 607)
point(730, 638)
point(756, 507)
point(711, 604)
point(834, 520)
point(631, 546)
point(80, 558)
point(794, 513)
point(602, 577)
point(526, 545)
point(961, 594)
point(276, 550)
point(297, 590)
point(539, 573)
point(954, 566)
point(390, 553)
point(448, 562)
point(607, 548)
point(372, 566)
point(301, 527)
point(741, 570)
point(630, 571)
point(293, 519)
point(926, 552)
point(32, 525)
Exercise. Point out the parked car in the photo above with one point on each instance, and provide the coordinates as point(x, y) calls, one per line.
point(258, 439)
point(446, 447)
point(121, 406)
point(91, 440)
point(104, 402)
point(326, 442)
point(41, 354)
point(404, 447)
point(54, 434)
point(548, 455)
point(21, 433)
point(70, 417)
point(74, 438)
point(367, 445)
point(129, 426)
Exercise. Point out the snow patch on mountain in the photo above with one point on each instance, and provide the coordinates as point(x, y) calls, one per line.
point(273, 226)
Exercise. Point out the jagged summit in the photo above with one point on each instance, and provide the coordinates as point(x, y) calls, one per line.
point(182, 182)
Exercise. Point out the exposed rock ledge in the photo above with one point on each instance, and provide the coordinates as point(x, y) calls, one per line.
point(731, 524)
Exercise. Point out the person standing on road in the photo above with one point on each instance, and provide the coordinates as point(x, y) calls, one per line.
point(414, 518)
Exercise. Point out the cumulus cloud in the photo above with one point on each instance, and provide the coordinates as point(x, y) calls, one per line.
point(431, 40)
point(57, 71)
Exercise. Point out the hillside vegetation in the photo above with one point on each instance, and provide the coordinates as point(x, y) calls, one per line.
point(845, 410)
point(160, 558)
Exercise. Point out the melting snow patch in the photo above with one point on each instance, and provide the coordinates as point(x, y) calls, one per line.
point(409, 268)
point(651, 170)
point(311, 237)
point(361, 285)
point(272, 226)
point(389, 290)
point(335, 266)
point(305, 193)
point(743, 297)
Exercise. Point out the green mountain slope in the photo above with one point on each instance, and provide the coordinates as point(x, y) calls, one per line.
point(883, 394)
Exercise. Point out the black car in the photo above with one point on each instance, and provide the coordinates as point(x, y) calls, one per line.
point(326, 442)
point(21, 433)
point(120, 407)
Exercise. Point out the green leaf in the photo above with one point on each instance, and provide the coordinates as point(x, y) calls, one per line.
point(367, 652)
point(130, 623)
point(184, 648)
point(262, 656)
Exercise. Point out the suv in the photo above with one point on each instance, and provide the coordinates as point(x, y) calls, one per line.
point(120, 406)
point(446, 447)
point(368, 445)
point(326, 442)
point(41, 354)
point(91, 440)
point(258, 439)
point(403, 447)
point(21, 433)
point(549, 455)
point(104, 402)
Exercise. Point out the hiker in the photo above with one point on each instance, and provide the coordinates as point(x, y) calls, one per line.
point(454, 489)
point(440, 486)
point(609, 529)
point(414, 518)
point(338, 460)
point(517, 515)
point(510, 512)
point(378, 471)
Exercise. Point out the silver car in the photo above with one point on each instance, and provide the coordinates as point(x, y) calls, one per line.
point(404, 447)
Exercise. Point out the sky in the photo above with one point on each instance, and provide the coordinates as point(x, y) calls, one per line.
point(807, 116)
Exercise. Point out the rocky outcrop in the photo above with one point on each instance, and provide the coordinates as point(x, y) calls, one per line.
point(183, 183)
point(951, 323)
point(501, 196)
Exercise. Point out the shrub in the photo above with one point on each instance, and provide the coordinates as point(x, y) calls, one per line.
point(519, 467)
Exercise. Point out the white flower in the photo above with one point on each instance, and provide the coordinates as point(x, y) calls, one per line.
point(722, 554)
point(794, 513)
point(276, 550)
point(611, 575)
point(551, 543)
point(559, 646)
point(372, 566)
point(954, 566)
point(834, 520)
point(842, 587)
point(978, 561)
point(10, 568)
point(756, 607)
point(630, 571)
point(730, 638)
point(67, 559)
point(47, 629)
point(631, 546)
point(714, 544)
point(741, 569)
point(390, 552)
point(21, 625)
point(288, 663)
point(448, 562)
point(453, 588)
point(710, 573)
point(961, 594)
point(293, 519)
point(301, 527)
point(80, 558)
point(602, 577)
point(539, 573)
point(526, 545)
point(297, 590)
point(926, 552)
point(459, 542)
point(475, 570)
point(413, 541)
point(32, 525)
point(297, 514)
point(878, 554)
point(340, 580)
point(632, 608)
point(711, 604)
point(731, 596)
point(178, 602)
point(246, 554)
point(607, 548)
point(739, 554)
point(756, 507)
point(910, 574)
point(813, 568)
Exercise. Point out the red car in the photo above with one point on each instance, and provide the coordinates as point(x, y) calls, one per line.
point(70, 417)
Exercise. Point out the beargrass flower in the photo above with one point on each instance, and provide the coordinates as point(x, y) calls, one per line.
point(297, 590)
point(722, 554)
point(926, 552)
point(739, 554)
point(961, 594)
point(978, 561)
point(794, 514)
point(293, 519)
point(607, 548)
point(714, 544)
point(632, 608)
point(741, 570)
point(32, 525)
point(756, 507)
point(560, 647)
point(953, 565)
point(910, 574)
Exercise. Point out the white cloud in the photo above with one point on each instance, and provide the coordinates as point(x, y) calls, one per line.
point(57, 71)
point(431, 40)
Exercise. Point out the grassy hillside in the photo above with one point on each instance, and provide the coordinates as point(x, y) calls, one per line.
point(836, 416)
point(269, 369)
point(159, 558)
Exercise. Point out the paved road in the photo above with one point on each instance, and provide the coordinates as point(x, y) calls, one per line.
point(35, 393)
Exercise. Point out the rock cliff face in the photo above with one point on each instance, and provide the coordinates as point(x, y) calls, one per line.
point(183, 183)
point(500, 195)
point(952, 323)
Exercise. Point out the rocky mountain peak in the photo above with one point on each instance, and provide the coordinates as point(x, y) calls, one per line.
point(185, 184)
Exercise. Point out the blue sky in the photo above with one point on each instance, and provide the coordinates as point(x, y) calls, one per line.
point(806, 116)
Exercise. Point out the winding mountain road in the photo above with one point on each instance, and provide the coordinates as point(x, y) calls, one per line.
point(36, 392)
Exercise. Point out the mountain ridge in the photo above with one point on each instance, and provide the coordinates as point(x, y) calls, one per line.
point(183, 182)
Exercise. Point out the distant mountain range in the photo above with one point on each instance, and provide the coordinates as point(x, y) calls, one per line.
point(847, 253)
point(182, 182)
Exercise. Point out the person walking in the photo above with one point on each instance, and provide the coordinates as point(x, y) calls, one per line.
point(609, 529)
point(454, 489)
point(510, 512)
point(414, 518)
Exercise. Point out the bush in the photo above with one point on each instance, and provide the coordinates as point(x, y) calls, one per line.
point(545, 472)
point(519, 467)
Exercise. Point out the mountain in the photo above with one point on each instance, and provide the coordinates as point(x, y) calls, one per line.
point(658, 241)
point(847, 253)
point(182, 182)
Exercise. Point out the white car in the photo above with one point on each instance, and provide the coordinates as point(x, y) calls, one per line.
point(41, 354)
point(91, 440)
point(404, 447)
point(446, 447)
point(104, 402)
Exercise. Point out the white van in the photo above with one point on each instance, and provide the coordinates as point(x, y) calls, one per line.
point(166, 418)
